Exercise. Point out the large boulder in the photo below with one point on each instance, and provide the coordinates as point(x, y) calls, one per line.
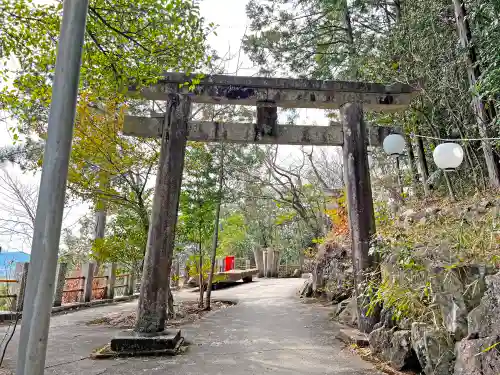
point(434, 349)
point(307, 289)
point(333, 272)
point(341, 306)
point(478, 357)
point(349, 315)
point(387, 318)
point(484, 320)
point(192, 281)
point(393, 346)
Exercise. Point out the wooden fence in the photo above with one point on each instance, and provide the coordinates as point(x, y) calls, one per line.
point(77, 286)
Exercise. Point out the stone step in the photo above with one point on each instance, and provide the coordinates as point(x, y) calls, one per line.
point(353, 336)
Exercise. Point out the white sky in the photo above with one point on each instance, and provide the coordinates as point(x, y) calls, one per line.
point(232, 23)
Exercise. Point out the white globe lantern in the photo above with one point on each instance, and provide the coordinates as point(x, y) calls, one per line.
point(448, 156)
point(394, 144)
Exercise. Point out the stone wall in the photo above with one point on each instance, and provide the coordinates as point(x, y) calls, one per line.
point(466, 308)
point(457, 330)
point(459, 334)
point(332, 274)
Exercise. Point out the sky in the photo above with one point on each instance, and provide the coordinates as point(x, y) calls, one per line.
point(232, 24)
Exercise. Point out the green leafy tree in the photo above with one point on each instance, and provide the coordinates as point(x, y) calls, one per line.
point(125, 41)
point(197, 203)
point(234, 236)
point(124, 242)
point(413, 42)
point(75, 247)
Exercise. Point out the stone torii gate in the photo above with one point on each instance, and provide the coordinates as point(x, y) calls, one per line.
point(174, 129)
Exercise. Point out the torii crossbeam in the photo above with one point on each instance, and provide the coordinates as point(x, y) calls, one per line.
point(282, 92)
point(266, 94)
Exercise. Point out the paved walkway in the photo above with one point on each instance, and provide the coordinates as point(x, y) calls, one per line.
point(270, 331)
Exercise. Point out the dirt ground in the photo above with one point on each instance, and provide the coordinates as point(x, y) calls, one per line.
point(185, 312)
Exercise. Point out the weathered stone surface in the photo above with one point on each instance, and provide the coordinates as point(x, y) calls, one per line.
point(333, 272)
point(457, 292)
point(353, 336)
point(408, 214)
point(287, 93)
point(307, 288)
point(454, 313)
point(434, 350)
point(349, 315)
point(404, 324)
point(131, 342)
point(341, 306)
point(484, 320)
point(380, 342)
point(432, 211)
point(401, 353)
point(204, 131)
point(472, 359)
point(386, 318)
point(393, 346)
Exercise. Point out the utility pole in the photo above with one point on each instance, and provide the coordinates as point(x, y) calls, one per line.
point(44, 250)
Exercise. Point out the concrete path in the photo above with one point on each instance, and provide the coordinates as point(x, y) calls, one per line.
point(270, 331)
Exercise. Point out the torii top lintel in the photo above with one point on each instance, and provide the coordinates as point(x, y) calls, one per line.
point(282, 92)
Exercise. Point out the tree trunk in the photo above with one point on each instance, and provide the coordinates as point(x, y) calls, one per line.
point(346, 20)
point(422, 162)
point(412, 164)
point(99, 229)
point(269, 262)
point(215, 238)
point(483, 118)
point(397, 10)
point(201, 280)
point(276, 263)
point(259, 261)
point(170, 304)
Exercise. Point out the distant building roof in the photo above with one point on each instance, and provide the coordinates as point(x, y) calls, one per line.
point(8, 260)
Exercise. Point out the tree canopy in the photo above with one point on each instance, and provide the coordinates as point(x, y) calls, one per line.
point(412, 42)
point(126, 41)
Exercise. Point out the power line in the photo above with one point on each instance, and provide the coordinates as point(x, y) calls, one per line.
point(413, 135)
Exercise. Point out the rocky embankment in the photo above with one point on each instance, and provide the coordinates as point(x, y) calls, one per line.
point(446, 318)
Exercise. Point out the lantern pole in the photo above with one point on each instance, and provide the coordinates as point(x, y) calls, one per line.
point(400, 180)
point(450, 186)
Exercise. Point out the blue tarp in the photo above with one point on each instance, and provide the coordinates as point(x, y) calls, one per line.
point(8, 260)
